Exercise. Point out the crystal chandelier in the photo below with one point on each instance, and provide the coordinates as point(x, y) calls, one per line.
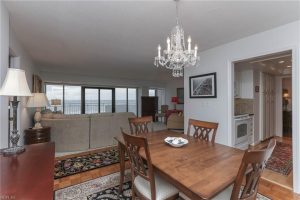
point(176, 56)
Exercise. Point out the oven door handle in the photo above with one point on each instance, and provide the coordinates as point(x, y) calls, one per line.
point(242, 119)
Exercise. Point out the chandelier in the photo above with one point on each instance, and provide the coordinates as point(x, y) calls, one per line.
point(176, 56)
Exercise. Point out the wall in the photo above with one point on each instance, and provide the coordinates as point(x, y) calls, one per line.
point(23, 62)
point(9, 43)
point(220, 60)
point(171, 91)
point(4, 52)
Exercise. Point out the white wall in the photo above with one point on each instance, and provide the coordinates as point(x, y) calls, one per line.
point(171, 91)
point(4, 52)
point(220, 59)
point(23, 61)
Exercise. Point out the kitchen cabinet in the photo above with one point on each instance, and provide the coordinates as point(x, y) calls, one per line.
point(244, 84)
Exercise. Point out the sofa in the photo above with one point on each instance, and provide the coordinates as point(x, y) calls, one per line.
point(86, 131)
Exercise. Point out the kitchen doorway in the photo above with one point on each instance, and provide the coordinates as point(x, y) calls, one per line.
point(263, 103)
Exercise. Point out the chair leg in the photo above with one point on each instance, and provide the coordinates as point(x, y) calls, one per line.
point(132, 194)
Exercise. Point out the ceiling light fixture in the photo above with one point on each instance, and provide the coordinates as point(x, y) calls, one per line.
point(176, 56)
point(289, 66)
point(280, 62)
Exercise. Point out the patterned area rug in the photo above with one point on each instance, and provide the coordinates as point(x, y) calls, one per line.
point(281, 160)
point(104, 188)
point(84, 163)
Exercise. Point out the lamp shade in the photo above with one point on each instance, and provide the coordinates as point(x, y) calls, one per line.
point(174, 100)
point(38, 100)
point(55, 102)
point(15, 84)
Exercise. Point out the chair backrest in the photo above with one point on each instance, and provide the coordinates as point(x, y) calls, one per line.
point(203, 129)
point(140, 125)
point(139, 166)
point(164, 108)
point(256, 160)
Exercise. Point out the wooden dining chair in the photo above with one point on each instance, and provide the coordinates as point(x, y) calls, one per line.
point(146, 184)
point(140, 125)
point(203, 129)
point(252, 166)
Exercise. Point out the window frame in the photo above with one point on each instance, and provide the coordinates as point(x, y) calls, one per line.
point(83, 87)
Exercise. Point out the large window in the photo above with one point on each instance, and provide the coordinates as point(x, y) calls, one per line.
point(82, 99)
point(132, 100)
point(72, 99)
point(121, 99)
point(55, 92)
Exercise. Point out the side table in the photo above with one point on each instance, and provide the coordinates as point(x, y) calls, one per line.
point(34, 136)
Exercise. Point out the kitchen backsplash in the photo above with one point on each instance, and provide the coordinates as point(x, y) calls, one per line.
point(243, 106)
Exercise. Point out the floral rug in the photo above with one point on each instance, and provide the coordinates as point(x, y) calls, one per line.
point(104, 188)
point(84, 163)
point(281, 160)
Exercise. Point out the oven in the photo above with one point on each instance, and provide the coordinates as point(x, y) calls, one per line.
point(243, 129)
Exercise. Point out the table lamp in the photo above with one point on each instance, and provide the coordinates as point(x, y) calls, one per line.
point(55, 103)
point(15, 85)
point(174, 100)
point(37, 101)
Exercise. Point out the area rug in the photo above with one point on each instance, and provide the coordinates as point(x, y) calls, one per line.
point(104, 188)
point(84, 163)
point(281, 160)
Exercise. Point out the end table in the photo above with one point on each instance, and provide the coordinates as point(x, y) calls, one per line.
point(34, 136)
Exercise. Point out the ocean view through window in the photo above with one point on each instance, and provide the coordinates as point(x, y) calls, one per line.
point(84, 100)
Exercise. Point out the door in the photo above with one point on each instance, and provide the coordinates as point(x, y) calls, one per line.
point(98, 100)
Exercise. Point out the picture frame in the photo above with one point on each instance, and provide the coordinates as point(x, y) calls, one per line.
point(203, 86)
point(180, 95)
point(37, 84)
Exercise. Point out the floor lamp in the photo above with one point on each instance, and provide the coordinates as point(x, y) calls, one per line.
point(15, 85)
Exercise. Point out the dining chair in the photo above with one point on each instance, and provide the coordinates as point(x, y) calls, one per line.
point(255, 160)
point(146, 184)
point(140, 125)
point(203, 129)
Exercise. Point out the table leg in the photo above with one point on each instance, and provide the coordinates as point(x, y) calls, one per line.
point(122, 165)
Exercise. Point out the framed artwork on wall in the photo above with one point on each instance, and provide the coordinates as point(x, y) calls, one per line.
point(203, 86)
point(180, 95)
point(37, 84)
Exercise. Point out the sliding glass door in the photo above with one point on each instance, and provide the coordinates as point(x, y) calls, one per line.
point(98, 100)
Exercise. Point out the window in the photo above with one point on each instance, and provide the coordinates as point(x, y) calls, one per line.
point(91, 100)
point(55, 92)
point(121, 99)
point(82, 99)
point(132, 100)
point(72, 99)
point(152, 93)
point(106, 100)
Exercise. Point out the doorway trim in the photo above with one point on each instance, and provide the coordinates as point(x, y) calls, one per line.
point(295, 106)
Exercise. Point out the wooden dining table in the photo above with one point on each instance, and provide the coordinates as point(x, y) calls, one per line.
point(199, 169)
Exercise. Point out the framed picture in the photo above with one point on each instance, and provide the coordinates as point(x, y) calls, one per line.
point(180, 95)
point(36, 84)
point(203, 86)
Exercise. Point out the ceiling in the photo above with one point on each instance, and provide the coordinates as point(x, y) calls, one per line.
point(120, 38)
point(279, 64)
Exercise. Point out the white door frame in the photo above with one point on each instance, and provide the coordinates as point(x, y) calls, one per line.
point(295, 106)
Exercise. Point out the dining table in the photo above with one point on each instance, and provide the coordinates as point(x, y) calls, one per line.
point(199, 169)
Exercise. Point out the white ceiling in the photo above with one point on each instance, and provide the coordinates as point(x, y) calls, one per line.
point(119, 38)
point(279, 64)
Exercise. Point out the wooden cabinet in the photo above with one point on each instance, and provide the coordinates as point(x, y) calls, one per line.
point(149, 106)
point(34, 136)
point(28, 175)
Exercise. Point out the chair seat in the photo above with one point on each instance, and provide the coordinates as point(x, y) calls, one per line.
point(225, 194)
point(164, 189)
